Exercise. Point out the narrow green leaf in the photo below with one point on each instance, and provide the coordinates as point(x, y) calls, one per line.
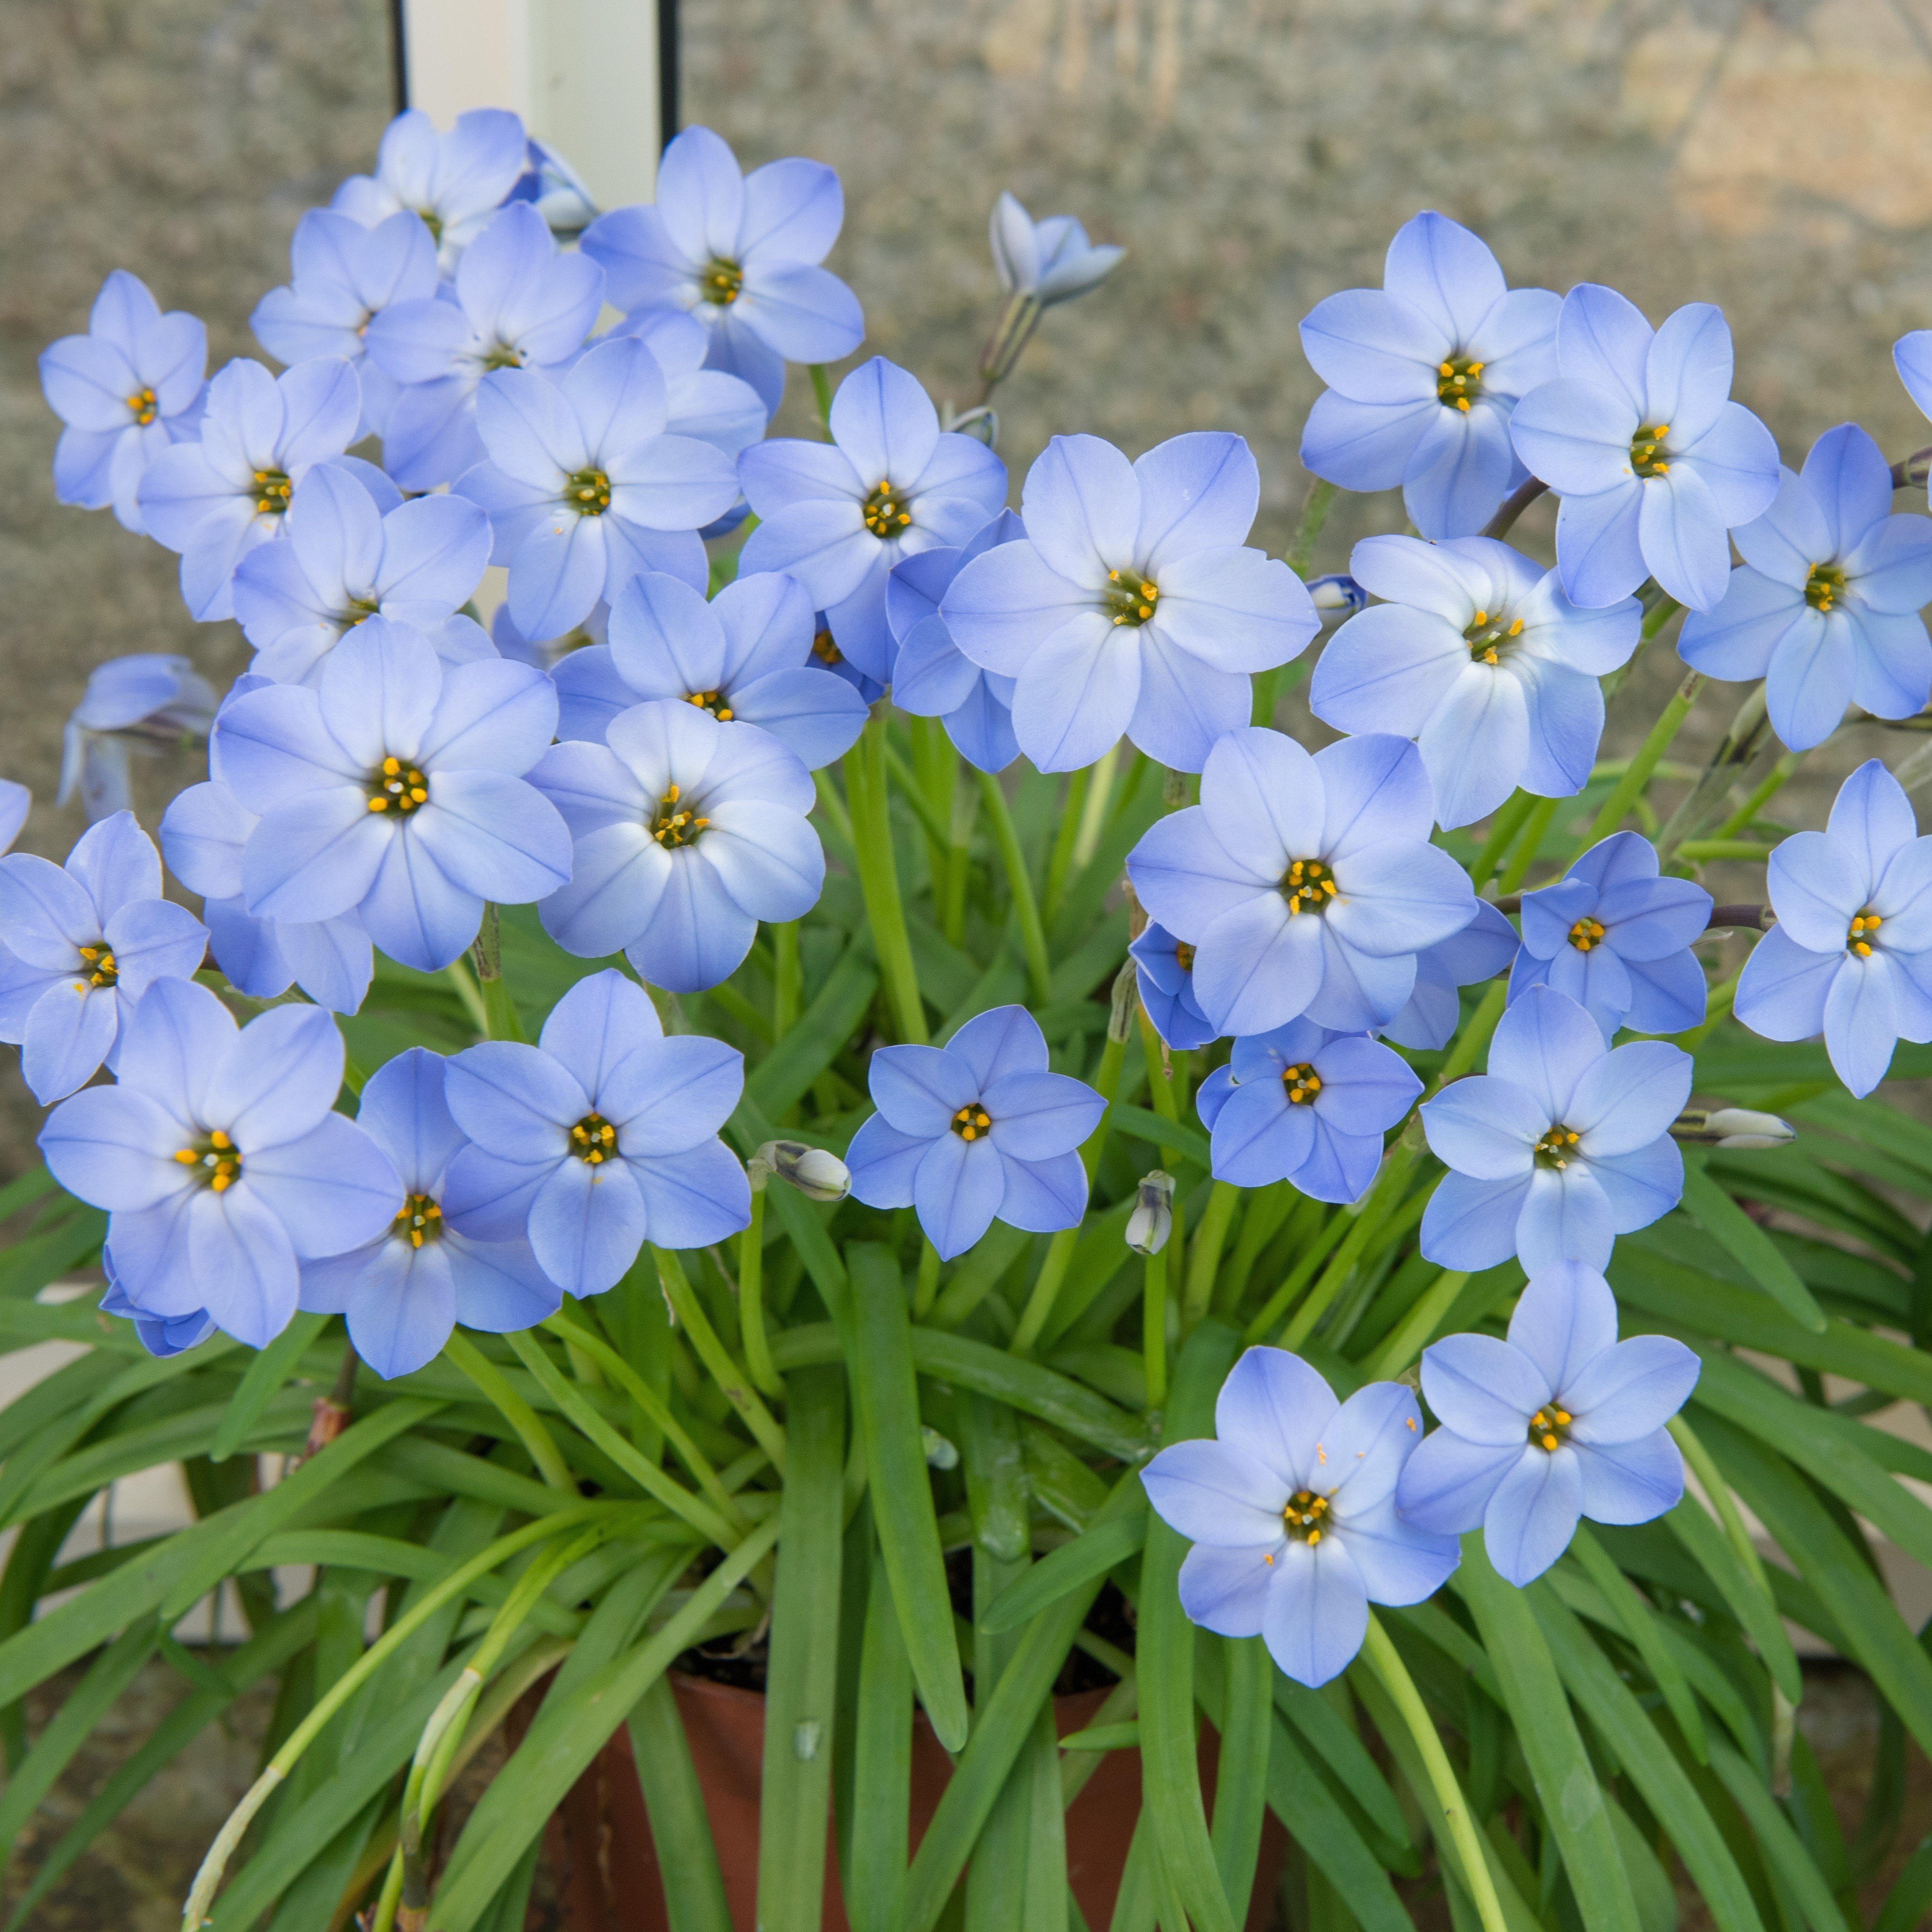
point(1566, 1785)
point(886, 1394)
point(1724, 1220)
point(1090, 1554)
point(1305, 1806)
point(1647, 1761)
point(1104, 1738)
point(1321, 1728)
point(1047, 1896)
point(680, 1826)
point(1650, 1883)
point(1778, 1843)
point(263, 1379)
point(1638, 1622)
point(1151, 1129)
point(1694, 1528)
point(796, 1789)
point(882, 1762)
point(1241, 1782)
point(27, 1266)
point(1164, 1654)
point(1910, 1898)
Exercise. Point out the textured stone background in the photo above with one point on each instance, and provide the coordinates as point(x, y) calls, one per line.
point(1253, 154)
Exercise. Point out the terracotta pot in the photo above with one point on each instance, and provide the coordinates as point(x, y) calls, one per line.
point(606, 1867)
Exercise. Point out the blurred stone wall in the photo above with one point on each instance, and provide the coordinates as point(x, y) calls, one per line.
point(1775, 158)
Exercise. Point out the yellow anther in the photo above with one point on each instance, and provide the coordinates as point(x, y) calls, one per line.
point(219, 1139)
point(186, 1156)
point(1550, 1442)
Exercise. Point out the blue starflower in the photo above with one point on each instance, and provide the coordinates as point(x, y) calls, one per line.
point(1825, 607)
point(602, 1136)
point(515, 303)
point(15, 802)
point(1050, 259)
point(1307, 1106)
point(890, 484)
point(345, 560)
point(1290, 1508)
point(454, 182)
point(1305, 885)
point(825, 651)
point(1655, 464)
point(163, 1336)
point(1479, 656)
point(1561, 1420)
point(976, 1131)
point(83, 943)
point(554, 189)
point(547, 653)
point(143, 702)
point(741, 253)
point(1561, 1148)
point(342, 275)
point(1615, 937)
point(1422, 374)
point(1482, 950)
point(584, 487)
point(1336, 596)
point(204, 832)
point(931, 676)
point(1132, 606)
point(395, 789)
point(402, 1292)
point(1851, 954)
point(220, 1160)
point(1164, 969)
point(686, 832)
point(214, 500)
point(712, 405)
point(744, 657)
point(126, 390)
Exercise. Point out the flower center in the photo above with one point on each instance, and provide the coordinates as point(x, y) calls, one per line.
point(1488, 637)
point(1556, 1147)
point(1859, 934)
point(217, 1160)
point(888, 510)
point(103, 971)
point(1304, 1516)
point(1824, 585)
point(396, 786)
point(1457, 381)
point(1303, 1083)
point(1129, 596)
point(1184, 954)
point(271, 492)
point(587, 492)
point(825, 650)
point(676, 824)
point(970, 1123)
point(432, 221)
point(358, 608)
point(722, 283)
point(718, 703)
point(1647, 454)
point(1549, 1428)
point(1308, 885)
point(1585, 934)
point(593, 1140)
point(144, 405)
point(501, 356)
point(420, 1220)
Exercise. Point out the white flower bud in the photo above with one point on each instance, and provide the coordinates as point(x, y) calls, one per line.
point(1337, 595)
point(1740, 1127)
point(939, 1453)
point(1152, 1220)
point(816, 1173)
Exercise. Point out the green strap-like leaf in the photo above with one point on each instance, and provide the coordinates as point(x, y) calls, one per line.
point(1090, 1555)
point(875, 1866)
point(680, 1826)
point(263, 1378)
point(1777, 1842)
point(1304, 1803)
point(1724, 1220)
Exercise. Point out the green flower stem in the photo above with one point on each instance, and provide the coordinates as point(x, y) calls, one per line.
point(926, 1287)
point(965, 812)
point(1711, 1478)
point(1333, 1229)
point(1033, 935)
point(463, 1354)
point(1737, 749)
point(1209, 1239)
point(1717, 1010)
point(838, 820)
point(931, 821)
point(458, 974)
point(1504, 824)
point(1093, 818)
point(879, 879)
point(1154, 1327)
point(575, 1333)
point(1536, 823)
point(1670, 721)
point(194, 1913)
point(1702, 850)
point(1393, 1675)
point(1772, 783)
point(1385, 1194)
point(1161, 1072)
point(499, 1010)
point(1418, 1329)
point(751, 1295)
point(1268, 1210)
point(821, 394)
point(787, 980)
point(1299, 554)
point(736, 1384)
point(1474, 1036)
point(1072, 815)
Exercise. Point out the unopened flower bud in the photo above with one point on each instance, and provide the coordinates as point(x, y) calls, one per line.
point(1152, 1220)
point(816, 1173)
point(1741, 1127)
point(940, 1452)
point(1337, 595)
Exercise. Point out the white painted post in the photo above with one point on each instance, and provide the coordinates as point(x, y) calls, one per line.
point(586, 76)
